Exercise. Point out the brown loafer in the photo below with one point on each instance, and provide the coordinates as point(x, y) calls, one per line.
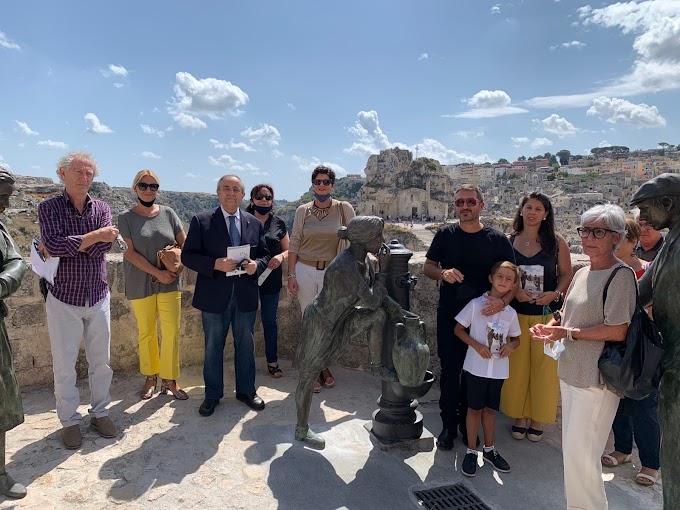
point(104, 426)
point(71, 437)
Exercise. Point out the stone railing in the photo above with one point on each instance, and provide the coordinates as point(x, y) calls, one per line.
point(27, 326)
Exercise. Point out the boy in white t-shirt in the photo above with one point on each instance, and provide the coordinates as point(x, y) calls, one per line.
point(490, 342)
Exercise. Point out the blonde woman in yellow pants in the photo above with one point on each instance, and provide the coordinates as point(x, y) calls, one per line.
point(530, 393)
point(153, 293)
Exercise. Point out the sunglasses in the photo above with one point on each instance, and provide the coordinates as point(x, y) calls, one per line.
point(598, 233)
point(319, 182)
point(142, 186)
point(263, 197)
point(470, 202)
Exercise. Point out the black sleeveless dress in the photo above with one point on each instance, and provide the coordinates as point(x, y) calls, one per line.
point(538, 274)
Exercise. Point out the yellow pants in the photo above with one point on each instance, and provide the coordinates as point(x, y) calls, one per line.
point(532, 389)
point(168, 307)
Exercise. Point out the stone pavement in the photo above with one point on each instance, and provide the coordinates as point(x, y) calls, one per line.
point(168, 456)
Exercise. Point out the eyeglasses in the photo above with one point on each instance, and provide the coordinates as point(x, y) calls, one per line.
point(320, 182)
point(598, 233)
point(263, 197)
point(142, 186)
point(471, 202)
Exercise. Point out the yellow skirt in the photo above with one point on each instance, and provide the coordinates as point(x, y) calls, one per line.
point(532, 389)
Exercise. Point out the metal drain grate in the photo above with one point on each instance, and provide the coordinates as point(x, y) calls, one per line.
point(450, 497)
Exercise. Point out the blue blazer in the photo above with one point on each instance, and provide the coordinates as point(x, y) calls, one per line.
point(207, 240)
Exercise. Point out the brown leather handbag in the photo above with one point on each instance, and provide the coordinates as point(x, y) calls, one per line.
point(170, 258)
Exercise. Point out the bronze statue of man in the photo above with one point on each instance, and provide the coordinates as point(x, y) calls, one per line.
point(12, 269)
point(351, 303)
point(659, 202)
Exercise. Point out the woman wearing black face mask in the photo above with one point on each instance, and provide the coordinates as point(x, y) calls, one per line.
point(147, 228)
point(276, 235)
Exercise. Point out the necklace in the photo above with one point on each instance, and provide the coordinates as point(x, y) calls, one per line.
point(321, 213)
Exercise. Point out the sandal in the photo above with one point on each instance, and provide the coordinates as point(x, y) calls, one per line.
point(148, 389)
point(518, 432)
point(610, 460)
point(275, 371)
point(178, 393)
point(534, 435)
point(645, 479)
point(327, 378)
point(317, 385)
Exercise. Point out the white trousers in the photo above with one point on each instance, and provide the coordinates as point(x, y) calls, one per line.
point(310, 283)
point(587, 417)
point(67, 325)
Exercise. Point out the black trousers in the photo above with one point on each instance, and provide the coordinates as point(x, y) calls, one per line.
point(451, 349)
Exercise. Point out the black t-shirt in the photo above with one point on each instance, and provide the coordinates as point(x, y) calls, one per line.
point(275, 230)
point(473, 255)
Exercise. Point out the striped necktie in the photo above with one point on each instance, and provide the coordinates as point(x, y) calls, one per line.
point(233, 232)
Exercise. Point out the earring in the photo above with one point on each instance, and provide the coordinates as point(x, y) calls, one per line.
point(545, 218)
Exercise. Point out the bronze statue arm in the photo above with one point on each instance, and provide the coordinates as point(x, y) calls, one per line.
point(645, 287)
point(13, 267)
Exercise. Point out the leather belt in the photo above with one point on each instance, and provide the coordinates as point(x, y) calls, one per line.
point(320, 265)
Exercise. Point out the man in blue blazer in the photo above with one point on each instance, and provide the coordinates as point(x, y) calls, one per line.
point(227, 300)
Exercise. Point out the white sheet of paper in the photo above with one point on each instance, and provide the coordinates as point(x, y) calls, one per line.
point(238, 253)
point(45, 268)
point(264, 276)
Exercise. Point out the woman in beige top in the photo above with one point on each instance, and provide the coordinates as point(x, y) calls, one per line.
point(314, 244)
point(587, 321)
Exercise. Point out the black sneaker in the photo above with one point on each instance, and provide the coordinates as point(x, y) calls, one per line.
point(498, 462)
point(469, 467)
point(445, 439)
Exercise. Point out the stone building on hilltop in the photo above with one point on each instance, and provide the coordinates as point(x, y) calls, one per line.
point(398, 186)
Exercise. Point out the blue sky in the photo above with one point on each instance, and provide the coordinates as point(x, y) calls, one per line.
point(269, 89)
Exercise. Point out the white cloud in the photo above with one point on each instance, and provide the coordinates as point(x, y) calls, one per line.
point(189, 122)
point(434, 149)
point(489, 103)
point(150, 155)
point(24, 129)
point(469, 134)
point(208, 97)
point(423, 56)
point(496, 9)
point(150, 130)
point(539, 143)
point(291, 106)
point(119, 85)
point(570, 44)
point(265, 133)
point(371, 138)
point(224, 161)
point(51, 144)
point(620, 111)
point(656, 24)
point(248, 167)
point(604, 143)
point(232, 145)
point(307, 164)
point(519, 139)
point(556, 125)
point(118, 70)
point(189, 175)
point(96, 126)
point(277, 154)
point(6, 42)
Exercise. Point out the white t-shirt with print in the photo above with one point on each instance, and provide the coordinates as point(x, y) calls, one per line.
point(486, 330)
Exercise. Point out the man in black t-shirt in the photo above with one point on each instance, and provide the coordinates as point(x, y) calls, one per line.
point(461, 257)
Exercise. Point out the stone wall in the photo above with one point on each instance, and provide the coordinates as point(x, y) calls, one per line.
point(27, 327)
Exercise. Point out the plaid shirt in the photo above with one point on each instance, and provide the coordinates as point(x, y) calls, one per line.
point(81, 277)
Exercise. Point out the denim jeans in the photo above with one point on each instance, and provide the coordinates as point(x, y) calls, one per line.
point(639, 418)
point(215, 328)
point(269, 304)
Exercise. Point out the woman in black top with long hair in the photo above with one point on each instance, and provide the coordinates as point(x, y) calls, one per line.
point(530, 393)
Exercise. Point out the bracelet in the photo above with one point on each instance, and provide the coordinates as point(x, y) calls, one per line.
point(442, 275)
point(559, 295)
point(291, 276)
point(570, 335)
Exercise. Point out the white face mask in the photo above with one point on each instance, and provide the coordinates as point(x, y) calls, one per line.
point(554, 350)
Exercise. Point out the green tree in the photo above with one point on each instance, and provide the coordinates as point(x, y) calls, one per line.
point(522, 158)
point(563, 155)
point(502, 161)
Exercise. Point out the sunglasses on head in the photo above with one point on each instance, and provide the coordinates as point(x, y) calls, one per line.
point(319, 182)
point(142, 186)
point(263, 197)
point(470, 202)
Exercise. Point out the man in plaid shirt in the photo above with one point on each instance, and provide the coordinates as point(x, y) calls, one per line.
point(77, 229)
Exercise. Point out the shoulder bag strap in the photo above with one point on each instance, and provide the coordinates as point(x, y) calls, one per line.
point(609, 280)
point(342, 213)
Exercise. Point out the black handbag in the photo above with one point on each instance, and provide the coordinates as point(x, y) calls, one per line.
point(633, 366)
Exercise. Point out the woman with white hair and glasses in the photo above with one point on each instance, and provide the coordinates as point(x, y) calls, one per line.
point(587, 321)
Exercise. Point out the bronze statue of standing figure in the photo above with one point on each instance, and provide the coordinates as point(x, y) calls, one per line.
point(659, 202)
point(12, 269)
point(350, 304)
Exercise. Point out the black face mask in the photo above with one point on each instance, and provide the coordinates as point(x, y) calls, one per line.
point(261, 209)
point(146, 204)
